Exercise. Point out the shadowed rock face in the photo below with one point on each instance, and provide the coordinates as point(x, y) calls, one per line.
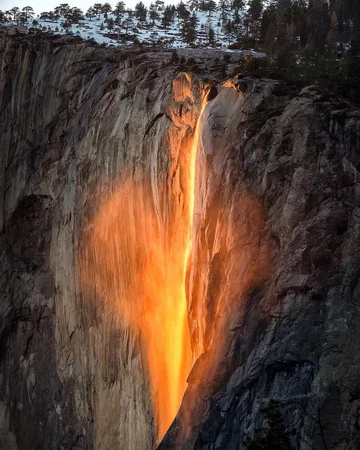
point(273, 280)
point(275, 274)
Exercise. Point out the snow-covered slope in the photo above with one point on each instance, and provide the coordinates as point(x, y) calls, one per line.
point(145, 32)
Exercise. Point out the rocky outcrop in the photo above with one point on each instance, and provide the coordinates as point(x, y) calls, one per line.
point(273, 278)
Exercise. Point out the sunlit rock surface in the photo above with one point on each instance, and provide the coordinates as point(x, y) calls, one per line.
point(93, 145)
point(89, 136)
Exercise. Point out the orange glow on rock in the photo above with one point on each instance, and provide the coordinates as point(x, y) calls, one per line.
point(134, 259)
point(141, 278)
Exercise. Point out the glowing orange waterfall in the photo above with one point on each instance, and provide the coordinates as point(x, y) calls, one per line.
point(198, 347)
point(126, 261)
point(192, 177)
point(169, 348)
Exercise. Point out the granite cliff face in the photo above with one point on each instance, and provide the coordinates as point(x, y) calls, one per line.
point(76, 121)
point(94, 146)
point(274, 290)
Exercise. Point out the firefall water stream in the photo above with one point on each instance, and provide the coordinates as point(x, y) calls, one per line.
point(144, 279)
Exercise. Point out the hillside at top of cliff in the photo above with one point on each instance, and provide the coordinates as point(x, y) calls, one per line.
point(205, 24)
point(132, 29)
point(207, 28)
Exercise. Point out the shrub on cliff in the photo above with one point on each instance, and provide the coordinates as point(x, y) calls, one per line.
point(257, 67)
point(174, 57)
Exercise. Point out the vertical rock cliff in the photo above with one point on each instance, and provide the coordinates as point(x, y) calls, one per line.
point(274, 282)
point(94, 145)
point(101, 233)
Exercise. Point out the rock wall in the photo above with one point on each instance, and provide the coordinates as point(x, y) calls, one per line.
point(272, 284)
point(76, 121)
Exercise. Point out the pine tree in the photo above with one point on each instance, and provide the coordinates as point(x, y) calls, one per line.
point(119, 9)
point(53, 15)
point(13, 14)
point(255, 9)
point(273, 436)
point(211, 36)
point(22, 18)
point(238, 5)
point(106, 9)
point(110, 24)
point(140, 11)
point(333, 33)
point(168, 16)
point(188, 30)
point(160, 5)
point(182, 11)
point(153, 13)
point(224, 7)
point(174, 57)
point(66, 25)
point(207, 6)
point(98, 9)
point(128, 22)
point(44, 16)
point(318, 16)
point(62, 9)
point(194, 5)
point(229, 30)
point(252, 21)
point(237, 25)
point(74, 15)
point(90, 13)
point(29, 12)
point(351, 80)
point(3, 17)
